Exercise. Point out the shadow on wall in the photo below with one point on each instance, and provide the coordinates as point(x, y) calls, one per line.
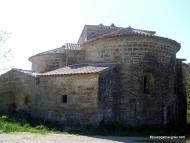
point(20, 102)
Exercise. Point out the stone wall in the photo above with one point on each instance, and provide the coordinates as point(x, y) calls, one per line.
point(140, 56)
point(81, 105)
point(131, 49)
point(44, 97)
point(16, 91)
point(181, 93)
point(109, 92)
point(75, 57)
point(140, 91)
point(49, 62)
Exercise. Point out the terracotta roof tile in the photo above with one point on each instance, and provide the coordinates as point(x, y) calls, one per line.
point(124, 32)
point(130, 31)
point(71, 46)
point(97, 30)
point(54, 51)
point(80, 69)
point(94, 32)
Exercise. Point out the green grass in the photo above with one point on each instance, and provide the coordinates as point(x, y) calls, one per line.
point(10, 123)
point(25, 123)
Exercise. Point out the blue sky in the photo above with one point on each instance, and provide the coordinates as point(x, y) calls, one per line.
point(38, 25)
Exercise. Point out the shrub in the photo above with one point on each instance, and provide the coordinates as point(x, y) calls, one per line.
point(4, 118)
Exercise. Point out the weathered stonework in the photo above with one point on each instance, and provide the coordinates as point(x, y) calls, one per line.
point(116, 74)
point(81, 95)
point(139, 55)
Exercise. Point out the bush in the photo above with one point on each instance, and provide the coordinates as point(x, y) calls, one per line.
point(40, 127)
point(4, 118)
point(20, 123)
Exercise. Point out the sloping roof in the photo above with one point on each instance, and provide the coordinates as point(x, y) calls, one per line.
point(91, 32)
point(54, 51)
point(80, 69)
point(129, 31)
point(97, 30)
point(61, 50)
point(124, 32)
point(28, 72)
point(112, 31)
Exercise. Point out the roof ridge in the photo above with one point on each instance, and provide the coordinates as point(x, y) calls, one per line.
point(125, 31)
point(17, 69)
point(104, 26)
point(60, 50)
point(28, 72)
point(62, 47)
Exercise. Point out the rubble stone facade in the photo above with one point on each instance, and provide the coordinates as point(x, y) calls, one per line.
point(112, 74)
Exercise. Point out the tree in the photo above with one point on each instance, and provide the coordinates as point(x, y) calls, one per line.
point(4, 52)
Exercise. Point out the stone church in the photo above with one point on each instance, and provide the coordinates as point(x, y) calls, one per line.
point(112, 74)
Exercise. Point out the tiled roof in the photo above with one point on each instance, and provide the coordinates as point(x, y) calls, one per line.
point(130, 31)
point(126, 31)
point(93, 32)
point(101, 26)
point(80, 69)
point(54, 51)
point(71, 46)
point(28, 72)
point(97, 30)
point(61, 50)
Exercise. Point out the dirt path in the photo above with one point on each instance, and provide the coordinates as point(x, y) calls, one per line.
point(62, 138)
point(69, 138)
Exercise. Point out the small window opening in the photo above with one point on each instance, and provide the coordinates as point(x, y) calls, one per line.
point(148, 83)
point(64, 98)
point(26, 100)
point(132, 103)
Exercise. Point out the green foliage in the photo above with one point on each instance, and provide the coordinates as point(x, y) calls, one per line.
point(24, 123)
point(17, 124)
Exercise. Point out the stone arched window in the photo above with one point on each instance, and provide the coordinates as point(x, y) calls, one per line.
point(148, 83)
